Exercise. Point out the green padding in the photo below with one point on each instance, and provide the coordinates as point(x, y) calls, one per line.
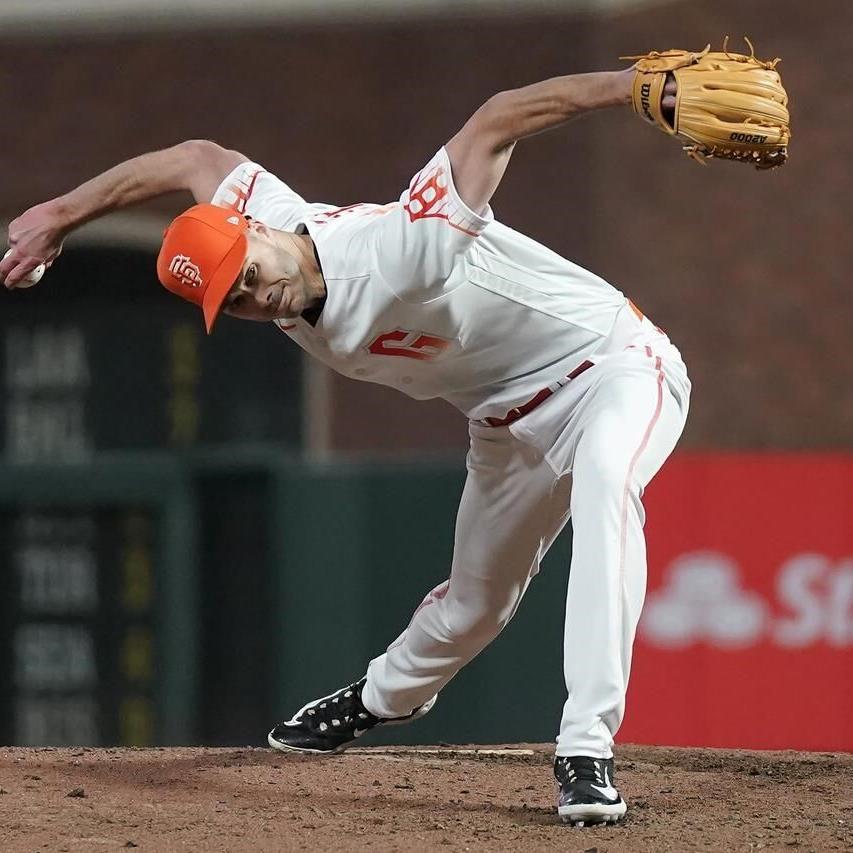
point(350, 551)
point(359, 547)
point(161, 484)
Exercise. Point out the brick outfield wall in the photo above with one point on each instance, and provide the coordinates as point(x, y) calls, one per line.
point(748, 272)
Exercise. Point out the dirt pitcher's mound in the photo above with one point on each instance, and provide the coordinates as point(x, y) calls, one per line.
point(414, 799)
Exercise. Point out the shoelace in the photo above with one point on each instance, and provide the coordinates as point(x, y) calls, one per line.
point(342, 710)
point(580, 769)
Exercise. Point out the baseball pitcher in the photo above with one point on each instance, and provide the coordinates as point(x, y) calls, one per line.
point(574, 398)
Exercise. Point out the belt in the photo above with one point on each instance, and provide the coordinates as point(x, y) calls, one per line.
point(533, 402)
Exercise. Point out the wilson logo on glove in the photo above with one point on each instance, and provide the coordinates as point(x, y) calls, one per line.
point(727, 105)
point(645, 101)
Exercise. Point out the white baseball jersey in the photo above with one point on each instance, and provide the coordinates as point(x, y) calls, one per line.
point(432, 298)
point(435, 299)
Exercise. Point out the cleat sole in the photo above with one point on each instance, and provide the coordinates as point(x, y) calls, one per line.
point(299, 750)
point(584, 815)
point(582, 822)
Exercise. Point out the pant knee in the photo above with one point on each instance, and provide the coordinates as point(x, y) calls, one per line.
point(476, 627)
point(606, 474)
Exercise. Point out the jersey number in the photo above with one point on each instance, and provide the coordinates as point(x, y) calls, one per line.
point(409, 345)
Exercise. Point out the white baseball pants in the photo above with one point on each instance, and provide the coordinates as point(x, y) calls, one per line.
point(587, 452)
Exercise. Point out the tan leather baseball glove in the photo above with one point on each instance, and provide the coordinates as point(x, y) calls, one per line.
point(726, 104)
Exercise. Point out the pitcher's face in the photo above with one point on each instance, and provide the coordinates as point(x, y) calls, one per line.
point(271, 285)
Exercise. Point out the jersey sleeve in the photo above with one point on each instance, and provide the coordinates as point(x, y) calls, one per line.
point(252, 190)
point(422, 241)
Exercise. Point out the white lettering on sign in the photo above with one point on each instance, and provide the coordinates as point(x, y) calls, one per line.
point(703, 600)
point(818, 599)
point(46, 358)
point(39, 429)
point(62, 579)
point(55, 657)
point(47, 379)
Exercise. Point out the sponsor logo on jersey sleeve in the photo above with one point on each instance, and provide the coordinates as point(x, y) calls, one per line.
point(430, 198)
point(428, 195)
point(237, 194)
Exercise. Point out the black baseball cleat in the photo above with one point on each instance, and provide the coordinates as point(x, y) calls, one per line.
point(329, 725)
point(587, 794)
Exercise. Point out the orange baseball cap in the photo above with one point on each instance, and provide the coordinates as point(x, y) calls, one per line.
point(202, 254)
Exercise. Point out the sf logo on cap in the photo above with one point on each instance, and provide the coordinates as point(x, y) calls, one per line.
point(185, 271)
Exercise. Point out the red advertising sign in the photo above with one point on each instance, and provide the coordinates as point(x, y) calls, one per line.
point(746, 638)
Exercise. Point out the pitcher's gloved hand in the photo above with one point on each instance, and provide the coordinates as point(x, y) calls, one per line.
point(721, 104)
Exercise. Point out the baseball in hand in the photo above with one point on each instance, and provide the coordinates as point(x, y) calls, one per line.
point(31, 278)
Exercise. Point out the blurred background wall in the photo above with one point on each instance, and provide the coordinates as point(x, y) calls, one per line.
point(184, 480)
